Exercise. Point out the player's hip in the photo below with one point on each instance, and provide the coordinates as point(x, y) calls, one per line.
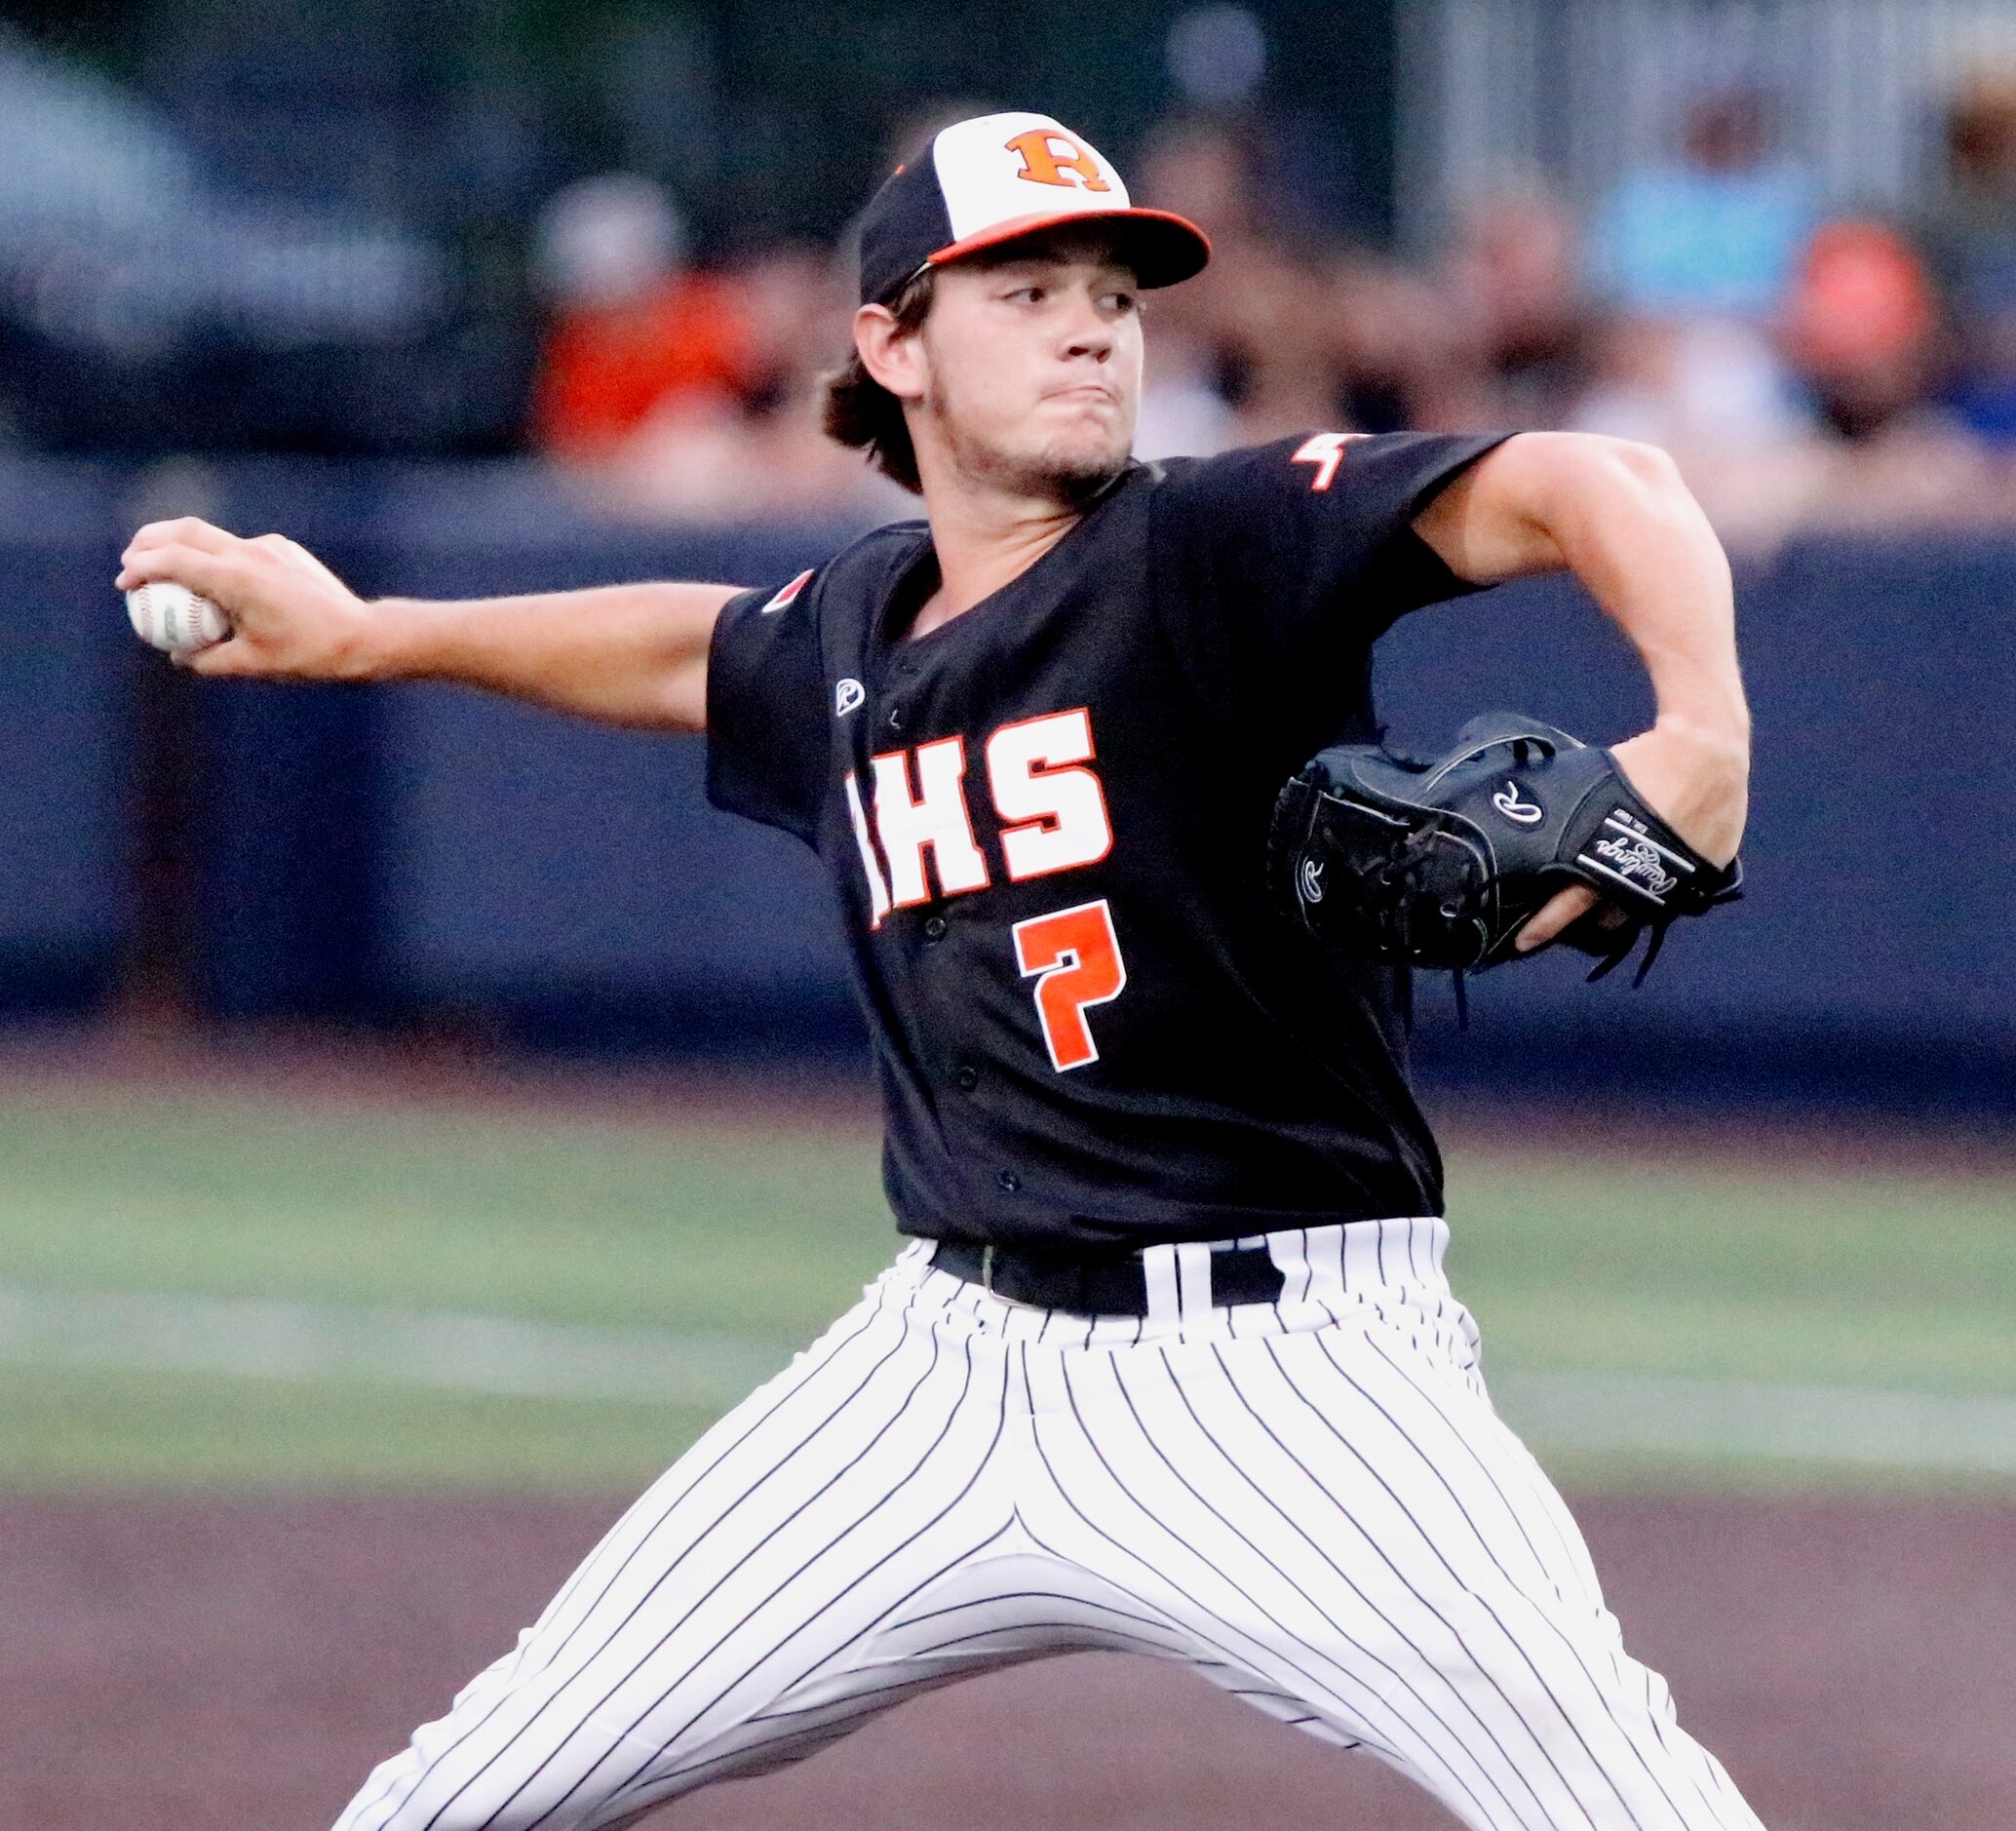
point(1382, 1274)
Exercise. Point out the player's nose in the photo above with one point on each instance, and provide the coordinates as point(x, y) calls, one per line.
point(1087, 332)
point(1093, 339)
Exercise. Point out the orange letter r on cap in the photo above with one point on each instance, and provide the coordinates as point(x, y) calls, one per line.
point(1042, 163)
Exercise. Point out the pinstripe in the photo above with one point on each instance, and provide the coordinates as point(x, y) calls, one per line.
point(830, 1544)
point(765, 1598)
point(855, 1582)
point(1373, 1546)
point(1582, 1573)
point(1471, 1521)
point(695, 1537)
point(1001, 1597)
point(869, 1700)
point(1286, 1635)
point(1201, 1636)
point(1532, 1479)
point(693, 1543)
point(803, 1375)
point(1109, 1637)
point(1478, 1595)
point(1435, 1468)
point(1161, 1453)
point(1298, 1531)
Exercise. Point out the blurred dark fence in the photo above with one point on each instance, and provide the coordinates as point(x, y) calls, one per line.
point(419, 855)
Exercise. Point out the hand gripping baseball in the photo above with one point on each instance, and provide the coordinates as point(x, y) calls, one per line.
point(291, 617)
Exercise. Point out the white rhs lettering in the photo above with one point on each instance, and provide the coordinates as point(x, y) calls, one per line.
point(935, 816)
point(877, 890)
point(1059, 811)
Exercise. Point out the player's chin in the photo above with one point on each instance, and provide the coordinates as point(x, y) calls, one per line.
point(1081, 460)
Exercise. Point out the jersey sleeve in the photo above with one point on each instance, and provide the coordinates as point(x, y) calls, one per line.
point(766, 724)
point(1288, 559)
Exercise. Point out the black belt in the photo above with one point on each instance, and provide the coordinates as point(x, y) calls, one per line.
point(1114, 1286)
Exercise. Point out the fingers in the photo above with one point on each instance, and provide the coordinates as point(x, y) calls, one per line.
point(215, 574)
point(181, 537)
point(184, 530)
point(220, 661)
point(1553, 916)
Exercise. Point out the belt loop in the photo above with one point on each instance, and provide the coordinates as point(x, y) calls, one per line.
point(1158, 1280)
point(1289, 1249)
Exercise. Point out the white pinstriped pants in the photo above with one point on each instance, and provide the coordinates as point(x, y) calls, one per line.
point(1310, 1501)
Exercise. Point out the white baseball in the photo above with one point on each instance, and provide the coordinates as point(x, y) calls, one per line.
point(173, 618)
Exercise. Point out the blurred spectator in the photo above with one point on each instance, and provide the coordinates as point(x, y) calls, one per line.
point(634, 332)
point(1971, 237)
point(1861, 328)
point(710, 454)
point(1277, 336)
point(1713, 392)
point(1202, 167)
point(1716, 228)
point(1183, 413)
point(1513, 292)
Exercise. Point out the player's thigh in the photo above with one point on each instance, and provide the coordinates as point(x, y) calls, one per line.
point(1340, 1514)
point(1436, 1563)
point(787, 1530)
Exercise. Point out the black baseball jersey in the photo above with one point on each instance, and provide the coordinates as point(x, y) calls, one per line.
point(1047, 819)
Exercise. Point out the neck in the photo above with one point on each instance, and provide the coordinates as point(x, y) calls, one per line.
point(984, 535)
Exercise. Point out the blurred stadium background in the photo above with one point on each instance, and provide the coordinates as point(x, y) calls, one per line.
point(419, 1116)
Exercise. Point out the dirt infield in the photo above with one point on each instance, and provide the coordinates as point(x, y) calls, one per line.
point(173, 1665)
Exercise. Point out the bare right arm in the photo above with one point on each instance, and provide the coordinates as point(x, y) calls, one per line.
point(622, 654)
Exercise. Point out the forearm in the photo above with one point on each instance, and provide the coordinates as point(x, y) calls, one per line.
point(1619, 516)
point(622, 654)
point(1627, 527)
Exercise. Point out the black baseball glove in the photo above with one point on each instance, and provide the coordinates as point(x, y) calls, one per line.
point(1438, 864)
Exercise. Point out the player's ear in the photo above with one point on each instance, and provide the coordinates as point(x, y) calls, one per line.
point(892, 353)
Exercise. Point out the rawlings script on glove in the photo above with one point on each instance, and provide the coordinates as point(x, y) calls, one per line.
point(1438, 864)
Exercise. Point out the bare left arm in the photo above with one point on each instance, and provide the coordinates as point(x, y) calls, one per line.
point(1618, 516)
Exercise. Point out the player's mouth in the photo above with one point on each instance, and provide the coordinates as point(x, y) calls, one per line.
point(1084, 393)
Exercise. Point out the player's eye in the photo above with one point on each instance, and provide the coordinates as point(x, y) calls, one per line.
point(1032, 295)
point(1121, 303)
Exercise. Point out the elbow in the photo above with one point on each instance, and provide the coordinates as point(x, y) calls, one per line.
point(1578, 463)
point(1581, 479)
point(1625, 470)
point(1648, 467)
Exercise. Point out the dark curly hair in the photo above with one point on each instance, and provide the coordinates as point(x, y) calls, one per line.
point(860, 412)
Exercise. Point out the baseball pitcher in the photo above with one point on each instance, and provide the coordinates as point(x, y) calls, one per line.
point(1168, 1363)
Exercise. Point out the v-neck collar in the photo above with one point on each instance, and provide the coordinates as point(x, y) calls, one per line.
point(906, 587)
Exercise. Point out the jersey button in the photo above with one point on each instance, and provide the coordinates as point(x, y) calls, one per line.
point(935, 927)
point(967, 1078)
point(1008, 1181)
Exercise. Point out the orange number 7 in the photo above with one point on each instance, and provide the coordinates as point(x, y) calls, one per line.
point(1076, 957)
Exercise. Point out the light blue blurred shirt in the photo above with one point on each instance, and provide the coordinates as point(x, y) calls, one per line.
point(1673, 240)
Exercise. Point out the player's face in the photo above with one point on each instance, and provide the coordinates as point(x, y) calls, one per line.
point(1031, 366)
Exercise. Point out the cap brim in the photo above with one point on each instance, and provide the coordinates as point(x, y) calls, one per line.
point(1161, 247)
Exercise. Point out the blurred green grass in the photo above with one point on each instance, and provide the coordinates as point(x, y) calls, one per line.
point(1762, 1272)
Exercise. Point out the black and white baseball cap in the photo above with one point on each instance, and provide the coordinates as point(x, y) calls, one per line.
point(998, 176)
